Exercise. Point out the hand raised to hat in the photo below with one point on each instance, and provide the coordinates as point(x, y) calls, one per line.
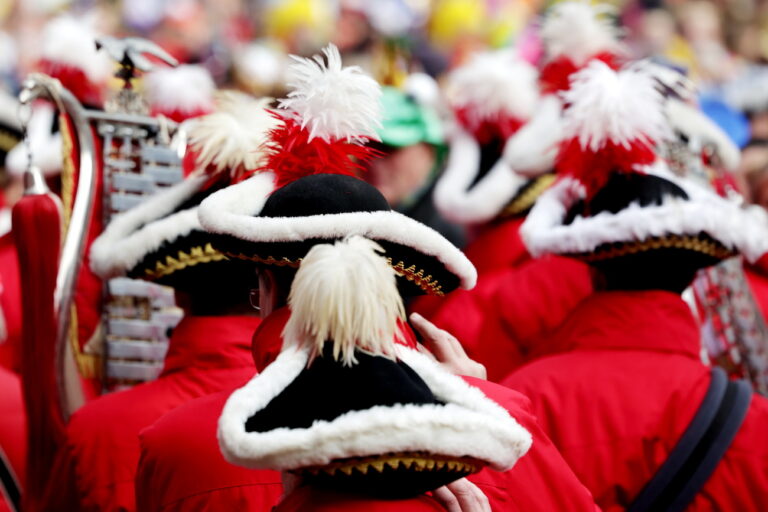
point(444, 348)
point(462, 496)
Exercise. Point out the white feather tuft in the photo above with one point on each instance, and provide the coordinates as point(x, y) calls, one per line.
point(346, 293)
point(235, 136)
point(71, 42)
point(578, 30)
point(187, 88)
point(333, 102)
point(494, 83)
point(609, 106)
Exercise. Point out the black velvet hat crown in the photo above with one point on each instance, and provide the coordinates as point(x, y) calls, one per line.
point(349, 405)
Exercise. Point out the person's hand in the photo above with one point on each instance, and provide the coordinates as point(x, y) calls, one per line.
point(446, 349)
point(462, 496)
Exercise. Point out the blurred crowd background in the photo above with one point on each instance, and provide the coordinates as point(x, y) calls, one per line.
point(723, 44)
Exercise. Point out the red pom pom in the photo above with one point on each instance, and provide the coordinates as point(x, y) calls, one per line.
point(593, 169)
point(75, 80)
point(555, 76)
point(500, 127)
point(294, 155)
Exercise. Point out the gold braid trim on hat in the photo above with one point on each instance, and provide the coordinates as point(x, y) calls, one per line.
point(526, 199)
point(693, 243)
point(269, 260)
point(183, 260)
point(427, 283)
point(408, 461)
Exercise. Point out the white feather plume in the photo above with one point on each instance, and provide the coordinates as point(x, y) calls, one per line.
point(334, 103)
point(235, 136)
point(494, 83)
point(186, 88)
point(620, 107)
point(72, 42)
point(345, 293)
point(578, 30)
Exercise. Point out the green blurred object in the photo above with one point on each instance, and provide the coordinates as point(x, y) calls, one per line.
point(406, 122)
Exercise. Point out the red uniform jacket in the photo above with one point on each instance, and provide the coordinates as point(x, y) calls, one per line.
point(96, 469)
point(13, 429)
point(496, 248)
point(505, 319)
point(182, 469)
point(622, 392)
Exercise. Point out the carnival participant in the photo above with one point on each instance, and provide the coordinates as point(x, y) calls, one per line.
point(495, 176)
point(272, 220)
point(161, 241)
point(412, 143)
point(625, 395)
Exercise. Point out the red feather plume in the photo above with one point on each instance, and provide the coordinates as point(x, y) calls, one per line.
point(294, 155)
point(75, 80)
point(500, 127)
point(556, 75)
point(593, 169)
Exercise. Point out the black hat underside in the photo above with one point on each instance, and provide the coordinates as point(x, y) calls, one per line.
point(194, 264)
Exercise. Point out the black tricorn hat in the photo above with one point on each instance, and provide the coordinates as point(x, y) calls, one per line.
point(345, 405)
point(161, 239)
point(278, 228)
point(618, 205)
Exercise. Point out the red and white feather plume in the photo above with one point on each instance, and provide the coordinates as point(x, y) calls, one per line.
point(233, 139)
point(614, 121)
point(68, 53)
point(574, 33)
point(493, 95)
point(180, 93)
point(327, 118)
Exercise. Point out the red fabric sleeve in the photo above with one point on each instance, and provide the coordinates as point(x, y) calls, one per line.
point(541, 480)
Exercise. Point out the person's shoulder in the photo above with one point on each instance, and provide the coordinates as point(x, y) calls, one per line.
point(117, 409)
point(202, 412)
point(502, 395)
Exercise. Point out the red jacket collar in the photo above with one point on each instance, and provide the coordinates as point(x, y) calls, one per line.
point(657, 321)
point(211, 342)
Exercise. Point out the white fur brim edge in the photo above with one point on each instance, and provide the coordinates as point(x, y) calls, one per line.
point(697, 126)
point(453, 197)
point(743, 230)
point(131, 235)
point(532, 150)
point(232, 211)
point(469, 425)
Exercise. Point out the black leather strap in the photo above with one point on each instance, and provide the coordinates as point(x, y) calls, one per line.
point(8, 484)
point(699, 450)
